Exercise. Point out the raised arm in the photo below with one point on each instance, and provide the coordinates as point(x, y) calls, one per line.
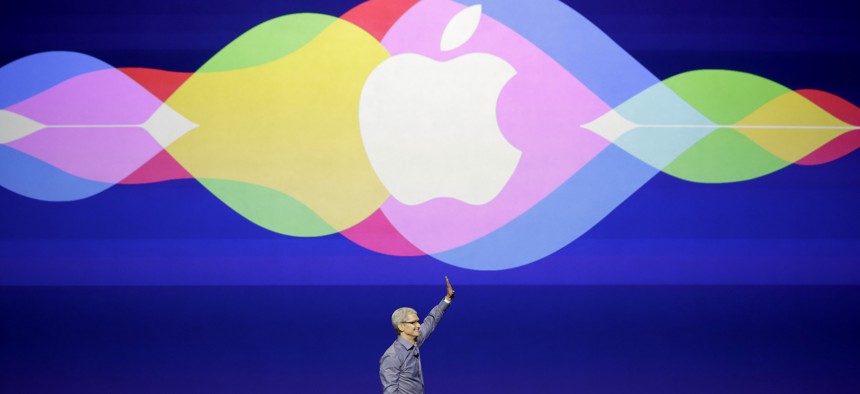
point(432, 319)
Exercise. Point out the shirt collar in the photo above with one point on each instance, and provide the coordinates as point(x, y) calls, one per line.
point(403, 342)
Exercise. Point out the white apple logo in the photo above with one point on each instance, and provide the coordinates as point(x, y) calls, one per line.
point(430, 127)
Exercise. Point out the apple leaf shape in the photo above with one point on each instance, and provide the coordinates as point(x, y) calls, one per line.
point(461, 27)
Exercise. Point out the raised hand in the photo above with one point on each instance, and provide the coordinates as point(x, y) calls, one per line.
point(450, 295)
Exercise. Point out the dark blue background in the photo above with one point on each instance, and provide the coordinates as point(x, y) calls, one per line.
point(496, 338)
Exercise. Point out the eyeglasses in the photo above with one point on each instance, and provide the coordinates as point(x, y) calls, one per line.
point(410, 322)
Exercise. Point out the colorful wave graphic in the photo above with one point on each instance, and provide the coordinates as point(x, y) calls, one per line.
point(310, 125)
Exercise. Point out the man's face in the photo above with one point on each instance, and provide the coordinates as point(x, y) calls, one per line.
point(411, 327)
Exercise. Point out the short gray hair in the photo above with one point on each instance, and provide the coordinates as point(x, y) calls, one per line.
point(399, 316)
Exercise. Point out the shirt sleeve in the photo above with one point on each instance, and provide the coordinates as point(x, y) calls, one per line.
point(432, 319)
point(389, 369)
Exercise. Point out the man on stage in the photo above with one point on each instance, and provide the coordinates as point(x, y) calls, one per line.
point(400, 365)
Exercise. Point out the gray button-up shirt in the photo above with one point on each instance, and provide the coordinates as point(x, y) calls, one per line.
point(400, 365)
